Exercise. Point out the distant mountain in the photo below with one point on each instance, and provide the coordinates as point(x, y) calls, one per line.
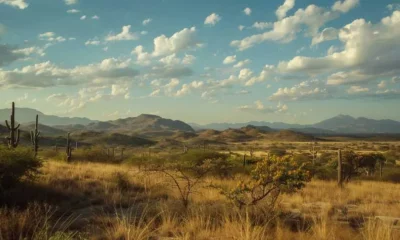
point(341, 124)
point(27, 115)
point(348, 124)
point(147, 123)
point(224, 126)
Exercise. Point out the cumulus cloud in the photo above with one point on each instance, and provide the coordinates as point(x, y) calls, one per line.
point(212, 19)
point(326, 35)
point(21, 4)
point(286, 29)
point(70, 2)
point(247, 11)
point(284, 8)
point(370, 52)
point(94, 41)
point(164, 46)
point(307, 90)
point(51, 37)
point(95, 17)
point(124, 35)
point(83, 17)
point(345, 6)
point(259, 107)
point(147, 21)
point(357, 89)
point(47, 74)
point(262, 25)
point(230, 59)
point(73, 11)
point(243, 63)
point(241, 27)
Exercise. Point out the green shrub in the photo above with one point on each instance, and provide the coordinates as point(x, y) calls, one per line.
point(279, 152)
point(16, 164)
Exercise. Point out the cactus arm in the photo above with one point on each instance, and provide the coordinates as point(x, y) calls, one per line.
point(17, 127)
point(8, 126)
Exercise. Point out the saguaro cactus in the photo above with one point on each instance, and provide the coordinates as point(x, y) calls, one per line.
point(35, 136)
point(13, 139)
point(339, 169)
point(68, 150)
point(314, 151)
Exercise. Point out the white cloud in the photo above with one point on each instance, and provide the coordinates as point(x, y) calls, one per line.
point(230, 59)
point(147, 21)
point(21, 4)
point(242, 63)
point(247, 11)
point(241, 27)
point(46, 74)
point(95, 42)
point(357, 89)
point(345, 6)
point(326, 35)
point(212, 19)
point(245, 73)
point(73, 11)
point(30, 50)
point(267, 71)
point(125, 35)
point(284, 8)
point(164, 46)
point(259, 107)
point(51, 37)
point(286, 29)
point(307, 90)
point(83, 17)
point(262, 25)
point(370, 52)
point(188, 59)
point(71, 2)
point(95, 17)
point(382, 85)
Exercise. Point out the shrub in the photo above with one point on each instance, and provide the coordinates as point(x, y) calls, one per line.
point(16, 164)
point(269, 178)
point(279, 152)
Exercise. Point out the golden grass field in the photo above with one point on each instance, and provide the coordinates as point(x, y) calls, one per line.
point(105, 201)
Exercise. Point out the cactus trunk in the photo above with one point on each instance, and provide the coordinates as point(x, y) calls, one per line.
point(13, 139)
point(68, 149)
point(35, 136)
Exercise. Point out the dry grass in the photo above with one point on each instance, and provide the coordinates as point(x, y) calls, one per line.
point(119, 202)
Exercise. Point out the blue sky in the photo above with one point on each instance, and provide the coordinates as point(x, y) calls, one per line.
point(297, 61)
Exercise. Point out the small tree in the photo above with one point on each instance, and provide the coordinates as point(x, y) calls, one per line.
point(188, 171)
point(269, 178)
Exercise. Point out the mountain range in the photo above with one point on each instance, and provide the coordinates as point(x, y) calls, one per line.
point(341, 124)
point(152, 125)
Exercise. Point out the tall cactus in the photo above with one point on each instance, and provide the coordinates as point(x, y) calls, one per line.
point(68, 148)
point(13, 139)
point(339, 169)
point(35, 136)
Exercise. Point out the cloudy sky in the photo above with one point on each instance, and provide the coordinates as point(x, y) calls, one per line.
point(297, 61)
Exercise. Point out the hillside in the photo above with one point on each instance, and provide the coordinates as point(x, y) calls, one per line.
point(46, 131)
point(92, 137)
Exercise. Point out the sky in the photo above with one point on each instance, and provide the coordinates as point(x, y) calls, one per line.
point(294, 61)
